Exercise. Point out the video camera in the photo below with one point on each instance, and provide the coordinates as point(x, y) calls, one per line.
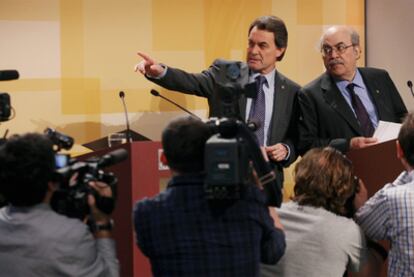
point(233, 148)
point(229, 87)
point(229, 154)
point(5, 107)
point(73, 176)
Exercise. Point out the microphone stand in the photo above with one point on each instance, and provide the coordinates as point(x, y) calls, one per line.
point(156, 93)
point(410, 85)
point(128, 130)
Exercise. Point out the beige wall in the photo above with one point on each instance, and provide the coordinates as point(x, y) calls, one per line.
point(75, 56)
point(390, 41)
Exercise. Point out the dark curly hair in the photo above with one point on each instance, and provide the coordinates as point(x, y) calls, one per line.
point(324, 178)
point(27, 163)
point(406, 138)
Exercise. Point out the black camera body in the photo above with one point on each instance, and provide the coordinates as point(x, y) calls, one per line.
point(5, 107)
point(229, 86)
point(73, 177)
point(233, 153)
point(71, 197)
point(227, 165)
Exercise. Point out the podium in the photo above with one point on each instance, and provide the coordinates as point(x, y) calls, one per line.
point(377, 165)
point(139, 176)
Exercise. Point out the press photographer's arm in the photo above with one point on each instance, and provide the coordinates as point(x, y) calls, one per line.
point(97, 217)
point(34, 237)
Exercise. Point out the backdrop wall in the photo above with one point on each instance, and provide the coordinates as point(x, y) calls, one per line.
point(74, 56)
point(390, 40)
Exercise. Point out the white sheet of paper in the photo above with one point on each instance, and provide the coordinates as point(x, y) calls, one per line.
point(387, 131)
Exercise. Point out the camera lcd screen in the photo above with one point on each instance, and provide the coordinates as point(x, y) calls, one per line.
point(61, 160)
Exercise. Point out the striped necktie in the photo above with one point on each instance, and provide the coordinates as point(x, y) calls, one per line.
point(258, 109)
point(361, 113)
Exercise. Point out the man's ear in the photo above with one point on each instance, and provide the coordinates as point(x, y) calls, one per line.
point(357, 50)
point(279, 52)
point(400, 152)
point(163, 159)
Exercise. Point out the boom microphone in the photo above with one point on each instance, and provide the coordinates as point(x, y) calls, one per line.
point(122, 96)
point(156, 93)
point(6, 75)
point(410, 85)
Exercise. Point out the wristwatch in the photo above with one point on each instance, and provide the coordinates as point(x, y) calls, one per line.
point(96, 227)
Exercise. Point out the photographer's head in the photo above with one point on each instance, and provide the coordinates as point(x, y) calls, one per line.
point(27, 164)
point(405, 144)
point(324, 178)
point(184, 141)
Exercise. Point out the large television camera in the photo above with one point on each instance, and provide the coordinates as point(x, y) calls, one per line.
point(229, 87)
point(233, 158)
point(5, 107)
point(73, 176)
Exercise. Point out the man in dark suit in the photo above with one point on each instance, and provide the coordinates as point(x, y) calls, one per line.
point(267, 44)
point(343, 106)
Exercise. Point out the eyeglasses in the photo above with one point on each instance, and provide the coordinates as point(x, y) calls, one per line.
point(340, 49)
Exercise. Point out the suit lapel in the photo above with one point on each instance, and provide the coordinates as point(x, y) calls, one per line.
point(375, 91)
point(336, 101)
point(279, 106)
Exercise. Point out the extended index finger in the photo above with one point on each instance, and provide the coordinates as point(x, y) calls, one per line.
point(145, 57)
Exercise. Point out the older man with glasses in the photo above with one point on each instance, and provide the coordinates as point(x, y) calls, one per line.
point(342, 107)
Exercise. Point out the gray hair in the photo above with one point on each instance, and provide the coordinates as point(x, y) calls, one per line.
point(352, 32)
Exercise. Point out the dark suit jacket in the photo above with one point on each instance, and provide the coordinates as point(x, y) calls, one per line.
point(184, 234)
point(283, 127)
point(326, 118)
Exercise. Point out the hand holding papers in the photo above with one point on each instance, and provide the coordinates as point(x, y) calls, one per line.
point(386, 131)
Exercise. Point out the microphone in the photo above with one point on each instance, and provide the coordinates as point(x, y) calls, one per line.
point(113, 157)
point(122, 96)
point(6, 75)
point(156, 93)
point(410, 85)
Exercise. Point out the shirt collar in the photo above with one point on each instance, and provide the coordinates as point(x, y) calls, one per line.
point(27, 209)
point(357, 81)
point(270, 77)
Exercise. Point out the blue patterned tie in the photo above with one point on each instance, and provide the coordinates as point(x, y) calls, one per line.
point(361, 112)
point(258, 109)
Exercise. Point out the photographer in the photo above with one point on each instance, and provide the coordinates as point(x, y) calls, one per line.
point(184, 234)
point(388, 214)
point(320, 239)
point(35, 240)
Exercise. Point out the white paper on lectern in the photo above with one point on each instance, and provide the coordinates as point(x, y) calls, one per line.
point(387, 131)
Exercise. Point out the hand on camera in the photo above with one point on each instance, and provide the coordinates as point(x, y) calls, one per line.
point(103, 190)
